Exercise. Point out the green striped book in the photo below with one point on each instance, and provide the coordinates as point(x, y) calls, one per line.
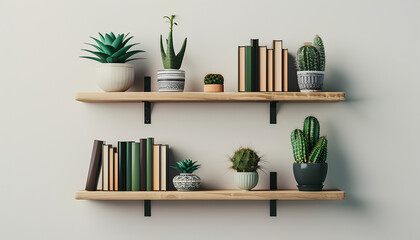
point(248, 69)
point(149, 164)
point(129, 165)
point(135, 169)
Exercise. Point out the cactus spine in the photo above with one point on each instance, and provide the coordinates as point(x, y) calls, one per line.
point(170, 59)
point(311, 130)
point(245, 160)
point(320, 46)
point(309, 58)
point(300, 146)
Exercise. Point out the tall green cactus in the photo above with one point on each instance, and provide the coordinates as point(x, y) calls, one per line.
point(320, 46)
point(300, 146)
point(311, 130)
point(245, 160)
point(319, 153)
point(309, 58)
point(170, 59)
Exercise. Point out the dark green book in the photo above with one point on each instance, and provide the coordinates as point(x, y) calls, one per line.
point(149, 164)
point(248, 69)
point(143, 165)
point(255, 65)
point(128, 164)
point(135, 169)
point(122, 166)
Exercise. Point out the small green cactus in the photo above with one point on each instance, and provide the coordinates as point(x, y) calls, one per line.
point(186, 166)
point(213, 79)
point(309, 58)
point(245, 160)
point(112, 49)
point(320, 46)
point(170, 59)
point(307, 146)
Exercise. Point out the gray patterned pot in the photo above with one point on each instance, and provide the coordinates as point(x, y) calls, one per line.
point(246, 180)
point(171, 80)
point(186, 182)
point(310, 81)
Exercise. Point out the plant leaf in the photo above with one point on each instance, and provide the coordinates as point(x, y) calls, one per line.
point(102, 56)
point(102, 37)
point(93, 58)
point(105, 48)
point(122, 50)
point(98, 48)
point(113, 36)
point(125, 41)
point(116, 44)
point(108, 39)
point(127, 55)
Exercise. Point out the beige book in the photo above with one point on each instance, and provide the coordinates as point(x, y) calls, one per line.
point(115, 170)
point(285, 71)
point(156, 167)
point(163, 167)
point(111, 168)
point(263, 68)
point(241, 69)
point(270, 79)
point(105, 168)
point(278, 65)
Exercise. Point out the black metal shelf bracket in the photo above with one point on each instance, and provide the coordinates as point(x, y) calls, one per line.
point(273, 112)
point(147, 208)
point(273, 186)
point(147, 105)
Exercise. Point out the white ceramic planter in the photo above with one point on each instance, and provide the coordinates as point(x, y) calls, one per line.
point(310, 81)
point(171, 80)
point(246, 180)
point(115, 77)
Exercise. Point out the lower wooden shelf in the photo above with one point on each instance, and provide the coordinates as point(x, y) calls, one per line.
point(212, 195)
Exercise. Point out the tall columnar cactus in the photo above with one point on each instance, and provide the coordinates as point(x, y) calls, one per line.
point(300, 146)
point(245, 160)
point(170, 59)
point(302, 140)
point(309, 58)
point(320, 46)
point(311, 130)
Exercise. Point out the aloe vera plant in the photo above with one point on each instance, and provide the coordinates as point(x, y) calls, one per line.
point(112, 48)
point(245, 160)
point(169, 58)
point(307, 146)
point(186, 166)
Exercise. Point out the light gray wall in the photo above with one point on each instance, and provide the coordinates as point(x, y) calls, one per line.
point(46, 136)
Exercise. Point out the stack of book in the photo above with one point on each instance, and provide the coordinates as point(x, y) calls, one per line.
point(130, 166)
point(261, 69)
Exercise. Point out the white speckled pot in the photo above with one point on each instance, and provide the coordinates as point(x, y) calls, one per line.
point(186, 182)
point(171, 80)
point(246, 180)
point(310, 81)
point(115, 77)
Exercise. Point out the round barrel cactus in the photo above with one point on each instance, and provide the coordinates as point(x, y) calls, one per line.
point(309, 58)
point(245, 160)
point(214, 79)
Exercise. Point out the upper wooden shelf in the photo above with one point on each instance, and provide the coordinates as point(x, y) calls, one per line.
point(210, 97)
point(212, 195)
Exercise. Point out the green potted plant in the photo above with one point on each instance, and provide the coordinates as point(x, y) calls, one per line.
point(246, 163)
point(310, 153)
point(114, 74)
point(311, 63)
point(213, 83)
point(171, 79)
point(186, 180)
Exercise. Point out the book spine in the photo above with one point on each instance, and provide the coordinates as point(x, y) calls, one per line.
point(156, 167)
point(128, 165)
point(116, 170)
point(111, 168)
point(135, 169)
point(164, 167)
point(263, 68)
point(149, 164)
point(255, 65)
point(105, 168)
point(270, 80)
point(241, 69)
point(285, 70)
point(122, 166)
point(95, 166)
point(143, 165)
point(248, 69)
point(278, 65)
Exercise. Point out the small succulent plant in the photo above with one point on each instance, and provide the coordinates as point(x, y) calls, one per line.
point(186, 166)
point(311, 57)
point(170, 59)
point(214, 79)
point(245, 160)
point(308, 147)
point(112, 49)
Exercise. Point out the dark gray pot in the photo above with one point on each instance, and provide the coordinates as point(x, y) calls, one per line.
point(310, 176)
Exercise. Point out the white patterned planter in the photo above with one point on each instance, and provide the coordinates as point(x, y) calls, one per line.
point(310, 81)
point(246, 180)
point(115, 77)
point(171, 80)
point(186, 182)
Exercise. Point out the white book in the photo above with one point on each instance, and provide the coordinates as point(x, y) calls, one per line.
point(164, 167)
point(105, 168)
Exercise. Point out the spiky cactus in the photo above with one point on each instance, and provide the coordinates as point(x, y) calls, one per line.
point(245, 160)
point(186, 166)
point(320, 46)
point(303, 150)
point(309, 58)
point(170, 59)
point(213, 79)
point(311, 130)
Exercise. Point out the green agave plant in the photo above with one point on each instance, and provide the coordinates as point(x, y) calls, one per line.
point(112, 49)
point(186, 166)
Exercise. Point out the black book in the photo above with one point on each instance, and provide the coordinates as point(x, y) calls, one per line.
point(95, 166)
point(122, 166)
point(255, 65)
point(143, 167)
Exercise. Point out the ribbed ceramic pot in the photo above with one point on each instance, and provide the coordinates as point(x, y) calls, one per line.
point(115, 77)
point(186, 182)
point(171, 80)
point(246, 180)
point(213, 88)
point(310, 176)
point(310, 81)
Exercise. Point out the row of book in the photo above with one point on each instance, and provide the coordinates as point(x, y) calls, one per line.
point(261, 69)
point(130, 166)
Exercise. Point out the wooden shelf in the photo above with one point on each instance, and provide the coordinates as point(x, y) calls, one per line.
point(211, 195)
point(210, 97)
